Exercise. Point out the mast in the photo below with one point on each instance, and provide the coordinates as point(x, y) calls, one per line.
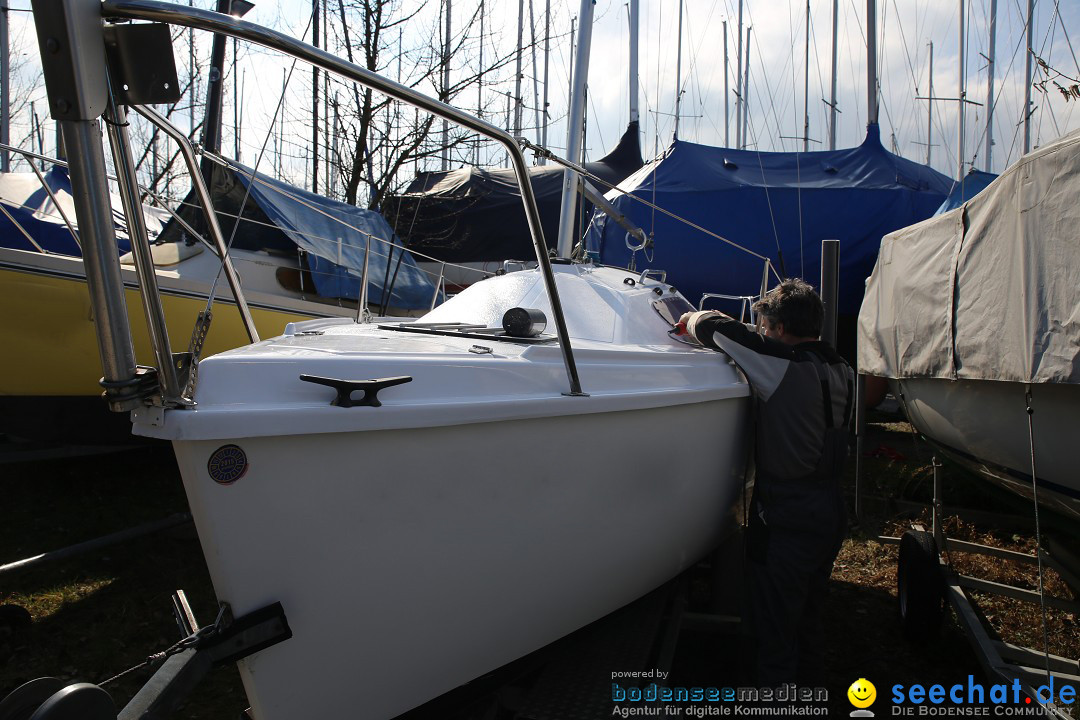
point(832, 91)
point(633, 80)
point(806, 86)
point(1027, 78)
point(212, 121)
point(547, 57)
point(575, 120)
point(678, 74)
point(314, 101)
point(930, 108)
point(517, 70)
point(746, 91)
point(334, 147)
point(871, 63)
point(727, 90)
point(193, 90)
point(990, 86)
point(535, 74)
point(960, 101)
point(738, 84)
point(727, 135)
point(446, 90)
point(479, 82)
point(5, 87)
point(236, 100)
point(327, 160)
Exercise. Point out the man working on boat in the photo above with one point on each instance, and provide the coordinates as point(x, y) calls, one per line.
point(803, 394)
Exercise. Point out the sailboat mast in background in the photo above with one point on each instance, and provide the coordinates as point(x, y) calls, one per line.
point(990, 68)
point(574, 122)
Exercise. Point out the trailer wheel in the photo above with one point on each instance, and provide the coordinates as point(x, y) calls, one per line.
point(919, 586)
point(24, 700)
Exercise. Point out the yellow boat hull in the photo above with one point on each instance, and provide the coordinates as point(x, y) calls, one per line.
point(56, 352)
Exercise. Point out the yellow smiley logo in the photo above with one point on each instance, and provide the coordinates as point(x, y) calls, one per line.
point(862, 693)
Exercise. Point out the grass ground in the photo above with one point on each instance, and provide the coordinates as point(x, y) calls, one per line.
point(99, 614)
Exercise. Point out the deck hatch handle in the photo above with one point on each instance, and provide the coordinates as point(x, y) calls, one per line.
point(345, 389)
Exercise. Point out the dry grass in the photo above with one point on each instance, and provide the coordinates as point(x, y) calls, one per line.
point(102, 613)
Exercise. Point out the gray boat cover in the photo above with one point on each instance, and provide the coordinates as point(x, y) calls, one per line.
point(987, 291)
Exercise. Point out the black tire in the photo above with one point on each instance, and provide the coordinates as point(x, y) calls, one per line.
point(23, 701)
point(920, 590)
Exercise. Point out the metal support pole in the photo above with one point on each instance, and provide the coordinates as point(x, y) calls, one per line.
point(830, 273)
point(806, 86)
point(5, 87)
point(575, 120)
point(314, 102)
point(1027, 76)
point(634, 22)
point(208, 211)
point(123, 159)
point(96, 544)
point(930, 108)
point(746, 93)
point(738, 83)
point(727, 92)
point(535, 73)
point(518, 105)
point(547, 68)
point(444, 94)
point(960, 101)
point(990, 60)
point(860, 436)
point(438, 286)
point(938, 511)
point(362, 312)
point(214, 91)
point(101, 258)
point(832, 91)
point(678, 74)
point(871, 63)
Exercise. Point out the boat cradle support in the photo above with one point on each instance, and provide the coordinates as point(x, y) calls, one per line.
point(932, 581)
point(72, 45)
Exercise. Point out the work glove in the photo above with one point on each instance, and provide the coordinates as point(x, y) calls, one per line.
point(690, 320)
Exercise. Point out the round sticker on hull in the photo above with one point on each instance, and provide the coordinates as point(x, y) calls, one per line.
point(227, 464)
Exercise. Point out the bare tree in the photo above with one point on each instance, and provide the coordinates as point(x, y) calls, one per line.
point(383, 141)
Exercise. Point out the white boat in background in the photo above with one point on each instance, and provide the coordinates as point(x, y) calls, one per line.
point(498, 486)
point(974, 317)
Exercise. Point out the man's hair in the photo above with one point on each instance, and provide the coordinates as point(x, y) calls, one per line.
point(795, 304)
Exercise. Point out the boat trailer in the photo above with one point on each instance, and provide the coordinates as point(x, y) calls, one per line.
point(927, 581)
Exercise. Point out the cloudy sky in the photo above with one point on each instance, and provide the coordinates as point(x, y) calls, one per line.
point(777, 71)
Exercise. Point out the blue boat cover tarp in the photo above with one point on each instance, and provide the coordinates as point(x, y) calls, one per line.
point(972, 184)
point(31, 207)
point(335, 236)
point(279, 218)
point(773, 204)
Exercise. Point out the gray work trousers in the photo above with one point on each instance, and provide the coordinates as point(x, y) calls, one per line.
point(790, 557)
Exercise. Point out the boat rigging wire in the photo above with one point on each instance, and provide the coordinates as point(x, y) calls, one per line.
point(226, 162)
point(254, 169)
point(545, 153)
point(772, 215)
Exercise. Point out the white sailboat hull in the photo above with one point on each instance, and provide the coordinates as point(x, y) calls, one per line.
point(409, 563)
point(984, 425)
point(479, 513)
